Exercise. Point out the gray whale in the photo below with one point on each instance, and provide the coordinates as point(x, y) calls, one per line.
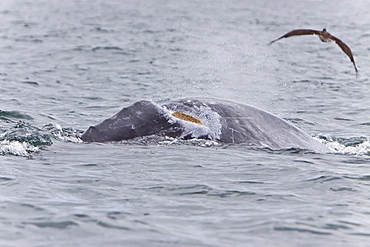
point(204, 118)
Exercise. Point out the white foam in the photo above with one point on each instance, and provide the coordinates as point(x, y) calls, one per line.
point(360, 149)
point(339, 148)
point(17, 148)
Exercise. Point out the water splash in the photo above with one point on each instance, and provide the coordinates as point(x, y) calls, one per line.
point(24, 139)
point(63, 134)
point(351, 146)
point(17, 148)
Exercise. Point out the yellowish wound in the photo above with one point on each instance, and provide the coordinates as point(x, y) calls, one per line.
point(186, 117)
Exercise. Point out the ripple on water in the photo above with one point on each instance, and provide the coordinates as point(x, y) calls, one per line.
point(9, 115)
point(53, 224)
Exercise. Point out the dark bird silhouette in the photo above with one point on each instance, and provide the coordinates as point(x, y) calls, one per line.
point(324, 36)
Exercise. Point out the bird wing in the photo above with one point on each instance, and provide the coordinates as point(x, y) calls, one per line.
point(345, 48)
point(297, 32)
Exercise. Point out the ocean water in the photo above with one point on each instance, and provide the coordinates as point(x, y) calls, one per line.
point(66, 65)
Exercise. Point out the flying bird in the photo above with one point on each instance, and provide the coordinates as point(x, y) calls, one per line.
point(324, 36)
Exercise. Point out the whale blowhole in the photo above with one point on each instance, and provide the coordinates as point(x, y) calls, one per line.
point(186, 117)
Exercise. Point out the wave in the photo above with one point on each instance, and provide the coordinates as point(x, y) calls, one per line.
point(24, 139)
point(348, 146)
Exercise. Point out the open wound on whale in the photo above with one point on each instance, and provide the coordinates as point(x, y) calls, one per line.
point(186, 117)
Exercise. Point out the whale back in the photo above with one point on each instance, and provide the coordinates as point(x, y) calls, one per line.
point(204, 118)
point(139, 119)
point(241, 123)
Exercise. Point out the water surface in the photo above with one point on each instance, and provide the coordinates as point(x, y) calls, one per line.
point(68, 65)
